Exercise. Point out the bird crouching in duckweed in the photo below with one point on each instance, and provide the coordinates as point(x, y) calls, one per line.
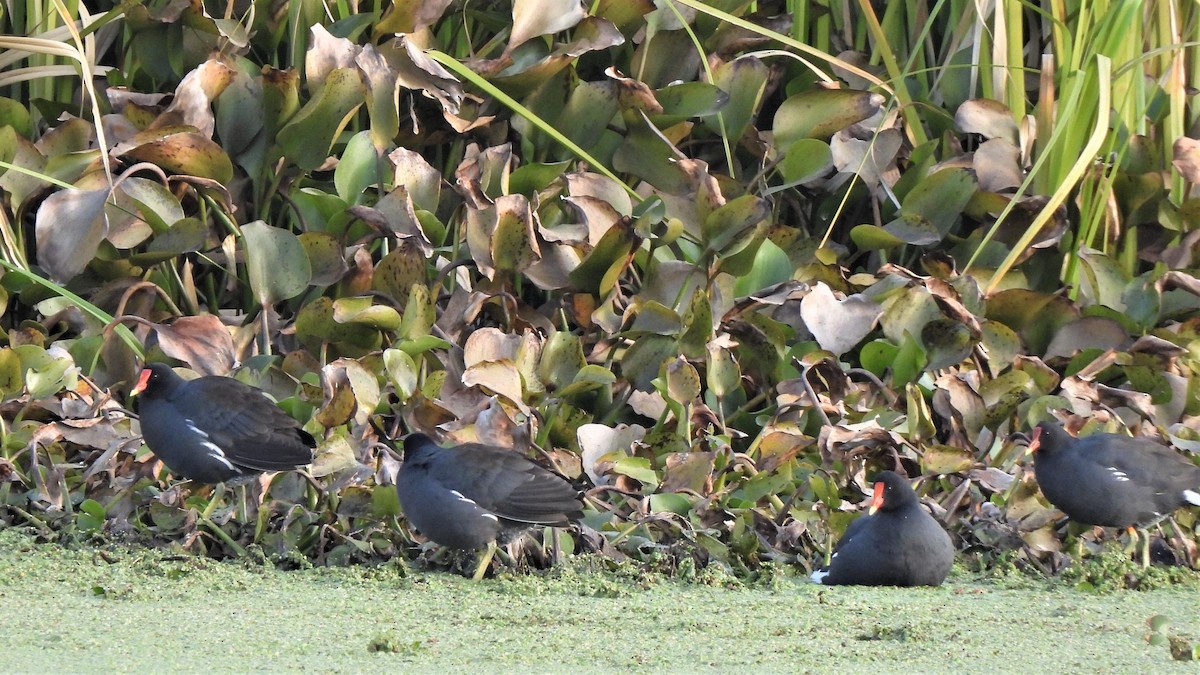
point(216, 429)
point(1111, 480)
point(467, 496)
point(898, 543)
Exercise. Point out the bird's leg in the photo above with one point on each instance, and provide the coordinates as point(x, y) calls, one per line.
point(1136, 543)
point(555, 547)
point(485, 559)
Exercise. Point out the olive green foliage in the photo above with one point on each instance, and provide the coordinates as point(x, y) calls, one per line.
point(721, 262)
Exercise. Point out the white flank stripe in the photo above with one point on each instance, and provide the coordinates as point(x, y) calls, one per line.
point(218, 454)
point(1192, 497)
point(463, 498)
point(195, 429)
point(1118, 474)
point(818, 576)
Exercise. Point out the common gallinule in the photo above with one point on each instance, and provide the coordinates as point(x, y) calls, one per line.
point(897, 544)
point(466, 496)
point(217, 429)
point(1112, 480)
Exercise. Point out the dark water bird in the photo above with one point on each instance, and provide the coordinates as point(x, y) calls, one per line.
point(216, 429)
point(467, 496)
point(1112, 480)
point(897, 544)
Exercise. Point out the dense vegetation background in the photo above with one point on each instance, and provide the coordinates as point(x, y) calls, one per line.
point(721, 261)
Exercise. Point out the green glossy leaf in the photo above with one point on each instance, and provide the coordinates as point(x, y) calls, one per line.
point(308, 137)
point(182, 151)
point(805, 160)
point(358, 168)
point(277, 264)
point(820, 113)
point(672, 502)
point(744, 79)
point(637, 468)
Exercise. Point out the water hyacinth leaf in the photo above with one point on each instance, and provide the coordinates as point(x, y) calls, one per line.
point(909, 362)
point(611, 252)
point(561, 360)
point(820, 113)
point(686, 100)
point(402, 372)
point(12, 381)
point(1034, 315)
point(641, 362)
point(365, 386)
point(358, 168)
point(529, 179)
point(656, 319)
point(531, 18)
point(276, 262)
point(682, 380)
point(513, 242)
point(181, 151)
point(326, 53)
point(70, 225)
point(325, 257)
point(943, 459)
point(744, 80)
point(1089, 332)
point(637, 468)
point(1001, 345)
point(932, 208)
point(740, 255)
point(410, 17)
point(497, 377)
point(805, 160)
point(1003, 394)
point(875, 238)
point(1102, 280)
point(339, 404)
point(240, 120)
point(724, 230)
point(14, 116)
point(997, 166)
point(588, 112)
point(361, 310)
point(723, 374)
point(648, 154)
point(307, 138)
point(142, 206)
point(91, 515)
point(907, 313)
point(381, 97)
point(589, 378)
point(698, 325)
point(987, 117)
point(187, 234)
point(334, 455)
point(947, 342)
point(281, 98)
point(419, 178)
point(911, 230)
point(420, 313)
point(203, 342)
point(398, 271)
point(46, 372)
point(838, 325)
point(670, 502)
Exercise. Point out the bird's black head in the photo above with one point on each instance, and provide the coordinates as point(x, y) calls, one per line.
point(1048, 437)
point(156, 379)
point(416, 443)
point(891, 492)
